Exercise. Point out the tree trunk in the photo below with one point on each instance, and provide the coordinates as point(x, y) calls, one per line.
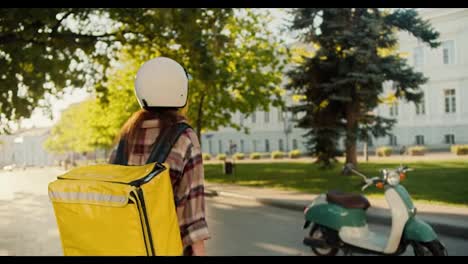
point(366, 151)
point(351, 156)
point(200, 118)
point(352, 112)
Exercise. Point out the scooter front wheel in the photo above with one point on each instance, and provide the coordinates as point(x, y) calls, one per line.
point(432, 248)
point(317, 233)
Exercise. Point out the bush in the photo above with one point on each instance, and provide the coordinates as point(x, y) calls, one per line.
point(255, 155)
point(459, 149)
point(238, 156)
point(417, 151)
point(206, 156)
point(384, 151)
point(294, 154)
point(277, 155)
point(221, 157)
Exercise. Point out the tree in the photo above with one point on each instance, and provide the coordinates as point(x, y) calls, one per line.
point(106, 119)
point(234, 61)
point(344, 79)
point(72, 132)
point(233, 67)
point(245, 75)
point(43, 51)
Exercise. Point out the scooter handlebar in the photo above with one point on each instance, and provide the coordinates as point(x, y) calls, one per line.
point(405, 169)
point(369, 182)
point(366, 186)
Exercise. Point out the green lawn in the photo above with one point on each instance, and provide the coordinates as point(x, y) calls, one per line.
point(443, 182)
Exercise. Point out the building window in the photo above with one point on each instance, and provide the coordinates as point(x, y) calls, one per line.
point(280, 115)
point(210, 146)
point(254, 117)
point(295, 144)
point(418, 56)
point(450, 104)
point(448, 52)
point(267, 117)
point(394, 109)
point(220, 146)
point(421, 107)
point(392, 140)
point(280, 145)
point(419, 140)
point(267, 145)
point(450, 139)
point(242, 145)
point(254, 143)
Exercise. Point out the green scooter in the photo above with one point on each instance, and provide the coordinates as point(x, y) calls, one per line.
point(339, 221)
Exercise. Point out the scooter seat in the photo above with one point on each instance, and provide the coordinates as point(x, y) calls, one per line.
point(348, 200)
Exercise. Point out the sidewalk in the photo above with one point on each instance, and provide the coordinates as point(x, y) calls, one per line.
point(447, 220)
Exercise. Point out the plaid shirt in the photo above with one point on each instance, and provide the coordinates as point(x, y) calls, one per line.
point(187, 177)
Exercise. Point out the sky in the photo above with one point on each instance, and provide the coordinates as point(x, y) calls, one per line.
point(39, 119)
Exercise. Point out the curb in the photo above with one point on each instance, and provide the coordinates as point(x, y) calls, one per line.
point(439, 228)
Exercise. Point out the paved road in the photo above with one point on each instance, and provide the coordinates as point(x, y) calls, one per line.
point(238, 227)
point(243, 227)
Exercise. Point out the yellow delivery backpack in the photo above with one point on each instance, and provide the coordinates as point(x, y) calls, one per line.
point(119, 210)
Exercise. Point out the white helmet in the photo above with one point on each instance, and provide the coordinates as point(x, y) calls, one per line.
point(161, 82)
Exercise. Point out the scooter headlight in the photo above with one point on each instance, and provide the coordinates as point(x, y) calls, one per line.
point(393, 178)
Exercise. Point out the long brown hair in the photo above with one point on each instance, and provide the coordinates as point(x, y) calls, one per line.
point(131, 130)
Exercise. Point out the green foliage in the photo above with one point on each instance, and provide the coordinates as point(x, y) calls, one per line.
point(238, 156)
point(234, 60)
point(384, 151)
point(355, 54)
point(459, 149)
point(235, 67)
point(109, 117)
point(255, 155)
point(294, 154)
point(221, 157)
point(417, 150)
point(206, 156)
point(42, 53)
point(72, 133)
point(277, 155)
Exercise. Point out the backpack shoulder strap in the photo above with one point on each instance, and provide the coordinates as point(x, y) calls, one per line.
point(165, 143)
point(120, 157)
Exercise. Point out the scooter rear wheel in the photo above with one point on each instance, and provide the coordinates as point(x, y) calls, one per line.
point(317, 233)
point(433, 248)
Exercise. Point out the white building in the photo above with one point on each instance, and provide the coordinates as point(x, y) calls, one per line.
point(25, 148)
point(439, 121)
point(442, 117)
point(269, 131)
